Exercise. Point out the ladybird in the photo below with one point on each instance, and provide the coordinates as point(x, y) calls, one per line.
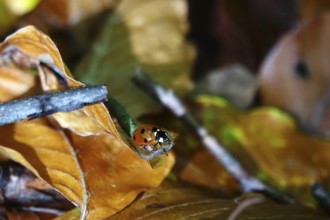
point(149, 136)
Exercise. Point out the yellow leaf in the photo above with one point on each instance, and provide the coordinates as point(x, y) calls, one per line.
point(273, 141)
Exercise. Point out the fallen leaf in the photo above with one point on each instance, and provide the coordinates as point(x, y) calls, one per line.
point(138, 36)
point(14, 83)
point(290, 156)
point(182, 202)
point(295, 76)
point(269, 138)
point(35, 43)
point(17, 215)
point(203, 169)
point(175, 202)
point(82, 163)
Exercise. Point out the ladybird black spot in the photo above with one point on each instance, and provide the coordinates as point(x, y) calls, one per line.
point(134, 137)
point(154, 129)
point(162, 137)
point(142, 130)
point(145, 140)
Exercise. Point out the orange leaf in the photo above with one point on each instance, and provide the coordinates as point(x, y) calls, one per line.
point(81, 155)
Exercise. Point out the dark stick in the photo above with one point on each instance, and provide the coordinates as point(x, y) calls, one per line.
point(169, 100)
point(322, 196)
point(48, 103)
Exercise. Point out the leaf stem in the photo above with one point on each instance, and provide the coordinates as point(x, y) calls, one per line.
point(125, 121)
point(322, 196)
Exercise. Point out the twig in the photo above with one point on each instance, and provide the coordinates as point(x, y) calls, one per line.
point(322, 196)
point(48, 103)
point(169, 100)
point(42, 210)
point(243, 206)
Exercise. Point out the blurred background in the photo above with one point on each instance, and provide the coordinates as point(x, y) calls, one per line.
point(255, 73)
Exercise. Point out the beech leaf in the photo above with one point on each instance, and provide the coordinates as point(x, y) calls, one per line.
point(81, 155)
point(272, 139)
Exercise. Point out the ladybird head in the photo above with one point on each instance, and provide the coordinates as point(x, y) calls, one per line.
point(152, 138)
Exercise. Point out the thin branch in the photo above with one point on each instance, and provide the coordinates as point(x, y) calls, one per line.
point(49, 103)
point(243, 206)
point(322, 196)
point(169, 100)
point(42, 210)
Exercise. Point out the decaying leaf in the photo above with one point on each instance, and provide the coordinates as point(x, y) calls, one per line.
point(295, 76)
point(138, 36)
point(14, 83)
point(182, 202)
point(272, 138)
point(290, 156)
point(203, 169)
point(175, 202)
point(89, 164)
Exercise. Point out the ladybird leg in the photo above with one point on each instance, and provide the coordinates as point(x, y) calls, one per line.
point(161, 147)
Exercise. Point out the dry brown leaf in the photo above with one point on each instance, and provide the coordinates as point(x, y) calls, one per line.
point(295, 76)
point(203, 169)
point(90, 165)
point(182, 202)
point(175, 202)
point(14, 83)
point(35, 43)
point(311, 8)
point(18, 215)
